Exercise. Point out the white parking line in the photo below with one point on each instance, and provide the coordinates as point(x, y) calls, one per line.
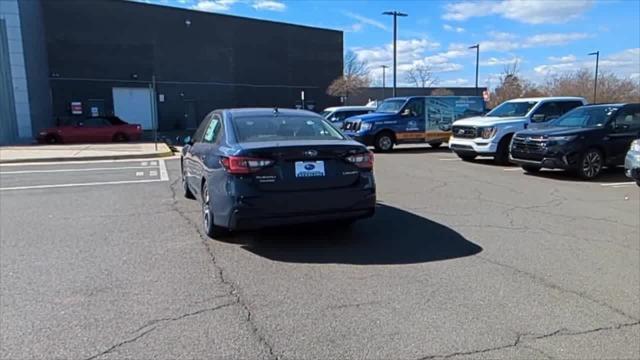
point(80, 184)
point(620, 184)
point(45, 163)
point(164, 175)
point(512, 169)
point(449, 159)
point(72, 170)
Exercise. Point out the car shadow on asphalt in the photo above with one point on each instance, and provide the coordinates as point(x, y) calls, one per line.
point(392, 237)
point(418, 150)
point(607, 176)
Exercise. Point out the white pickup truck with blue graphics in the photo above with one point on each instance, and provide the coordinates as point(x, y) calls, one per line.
point(414, 119)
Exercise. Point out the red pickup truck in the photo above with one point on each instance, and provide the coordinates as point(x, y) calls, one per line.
point(90, 130)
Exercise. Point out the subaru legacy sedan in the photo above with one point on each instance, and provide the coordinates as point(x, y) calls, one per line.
point(255, 168)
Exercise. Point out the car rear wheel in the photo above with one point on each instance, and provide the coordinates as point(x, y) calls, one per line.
point(384, 142)
point(531, 168)
point(120, 137)
point(590, 164)
point(466, 157)
point(435, 145)
point(52, 139)
point(208, 225)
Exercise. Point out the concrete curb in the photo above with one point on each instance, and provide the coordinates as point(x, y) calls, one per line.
point(90, 158)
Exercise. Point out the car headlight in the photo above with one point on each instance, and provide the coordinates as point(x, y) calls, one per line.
point(366, 126)
point(635, 145)
point(488, 132)
point(562, 138)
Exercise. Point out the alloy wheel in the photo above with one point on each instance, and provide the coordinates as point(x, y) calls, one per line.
point(591, 164)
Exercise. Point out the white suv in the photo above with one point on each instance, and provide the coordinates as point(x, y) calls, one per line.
point(490, 135)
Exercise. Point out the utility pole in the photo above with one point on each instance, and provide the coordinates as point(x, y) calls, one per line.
point(384, 76)
point(595, 82)
point(477, 47)
point(395, 15)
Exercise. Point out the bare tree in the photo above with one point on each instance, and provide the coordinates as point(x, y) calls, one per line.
point(580, 83)
point(442, 92)
point(355, 77)
point(422, 76)
point(512, 86)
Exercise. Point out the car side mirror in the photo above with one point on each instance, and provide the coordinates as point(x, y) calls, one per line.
point(537, 118)
point(187, 140)
point(406, 112)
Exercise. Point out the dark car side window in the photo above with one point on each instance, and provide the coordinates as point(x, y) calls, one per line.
point(211, 135)
point(566, 106)
point(550, 110)
point(628, 119)
point(197, 137)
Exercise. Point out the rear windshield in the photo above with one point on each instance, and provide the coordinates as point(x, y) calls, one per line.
point(516, 108)
point(590, 116)
point(254, 129)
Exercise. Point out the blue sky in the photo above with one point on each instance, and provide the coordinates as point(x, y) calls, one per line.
point(544, 36)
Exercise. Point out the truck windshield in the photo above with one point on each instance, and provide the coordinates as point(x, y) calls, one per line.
point(592, 116)
point(390, 106)
point(506, 109)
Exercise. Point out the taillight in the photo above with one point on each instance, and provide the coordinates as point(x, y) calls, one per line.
point(244, 165)
point(363, 160)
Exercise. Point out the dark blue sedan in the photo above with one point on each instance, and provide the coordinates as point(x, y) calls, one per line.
point(254, 168)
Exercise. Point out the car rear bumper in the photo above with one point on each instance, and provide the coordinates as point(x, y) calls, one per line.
point(296, 208)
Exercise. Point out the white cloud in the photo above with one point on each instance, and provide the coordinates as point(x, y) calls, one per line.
point(526, 11)
point(354, 27)
point(503, 42)
point(214, 5)
point(552, 39)
point(494, 61)
point(448, 27)
point(270, 5)
point(562, 59)
point(625, 63)
point(366, 20)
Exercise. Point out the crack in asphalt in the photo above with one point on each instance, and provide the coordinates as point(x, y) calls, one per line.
point(551, 285)
point(183, 316)
point(124, 342)
point(521, 338)
point(234, 291)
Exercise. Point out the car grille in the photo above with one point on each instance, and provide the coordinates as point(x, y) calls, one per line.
point(528, 144)
point(466, 132)
point(351, 125)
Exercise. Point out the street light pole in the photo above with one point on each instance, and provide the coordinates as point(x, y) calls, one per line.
point(395, 15)
point(477, 47)
point(384, 76)
point(595, 83)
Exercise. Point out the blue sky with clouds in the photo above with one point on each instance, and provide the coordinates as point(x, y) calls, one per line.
point(544, 36)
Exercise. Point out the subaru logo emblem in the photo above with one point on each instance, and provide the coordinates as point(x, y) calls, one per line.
point(310, 153)
point(309, 167)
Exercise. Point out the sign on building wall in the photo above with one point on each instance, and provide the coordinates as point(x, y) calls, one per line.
point(76, 108)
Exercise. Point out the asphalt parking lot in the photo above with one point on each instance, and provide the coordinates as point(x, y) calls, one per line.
point(461, 261)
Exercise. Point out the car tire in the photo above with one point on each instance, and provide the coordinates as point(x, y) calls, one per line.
point(466, 157)
point(435, 145)
point(120, 137)
point(383, 142)
point(590, 164)
point(502, 152)
point(208, 224)
point(52, 139)
point(531, 168)
point(185, 187)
